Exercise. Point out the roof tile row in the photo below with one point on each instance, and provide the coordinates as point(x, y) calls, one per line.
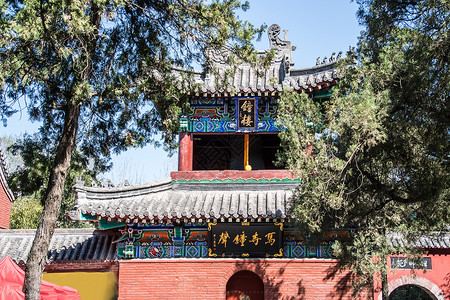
point(167, 200)
point(67, 245)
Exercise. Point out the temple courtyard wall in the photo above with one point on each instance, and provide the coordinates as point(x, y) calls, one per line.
point(207, 278)
point(435, 280)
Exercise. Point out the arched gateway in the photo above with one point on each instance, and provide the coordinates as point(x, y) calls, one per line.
point(411, 291)
point(414, 287)
point(245, 285)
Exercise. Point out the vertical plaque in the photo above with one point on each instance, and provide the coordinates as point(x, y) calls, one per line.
point(246, 109)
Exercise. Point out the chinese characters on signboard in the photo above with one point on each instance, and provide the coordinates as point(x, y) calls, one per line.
point(406, 263)
point(246, 113)
point(245, 239)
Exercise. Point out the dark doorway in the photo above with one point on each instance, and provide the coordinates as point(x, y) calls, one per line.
point(245, 285)
point(226, 151)
point(410, 291)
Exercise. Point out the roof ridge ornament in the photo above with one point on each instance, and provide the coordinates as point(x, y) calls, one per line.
point(278, 44)
point(227, 75)
point(275, 42)
point(333, 58)
point(352, 53)
point(218, 56)
point(284, 52)
point(79, 181)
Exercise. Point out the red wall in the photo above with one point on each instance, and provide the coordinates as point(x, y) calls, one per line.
point(436, 280)
point(5, 209)
point(207, 278)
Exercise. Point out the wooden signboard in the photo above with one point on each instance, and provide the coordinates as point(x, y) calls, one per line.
point(245, 239)
point(406, 263)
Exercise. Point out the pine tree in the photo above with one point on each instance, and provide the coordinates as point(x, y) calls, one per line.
point(375, 157)
point(98, 75)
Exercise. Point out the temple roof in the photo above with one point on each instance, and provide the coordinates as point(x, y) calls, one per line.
point(191, 199)
point(3, 176)
point(280, 74)
point(430, 240)
point(67, 245)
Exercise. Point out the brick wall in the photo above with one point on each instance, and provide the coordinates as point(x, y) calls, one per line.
point(207, 278)
point(435, 281)
point(5, 208)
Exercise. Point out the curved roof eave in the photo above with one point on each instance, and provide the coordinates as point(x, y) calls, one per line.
point(168, 200)
point(3, 176)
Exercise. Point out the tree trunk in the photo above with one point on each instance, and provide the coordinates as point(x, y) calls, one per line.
point(38, 255)
point(384, 285)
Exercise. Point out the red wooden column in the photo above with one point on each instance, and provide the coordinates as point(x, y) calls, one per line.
point(185, 154)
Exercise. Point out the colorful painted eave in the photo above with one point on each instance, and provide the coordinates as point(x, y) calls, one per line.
point(233, 176)
point(237, 181)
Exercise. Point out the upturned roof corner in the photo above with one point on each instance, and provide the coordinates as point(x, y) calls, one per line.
point(3, 178)
point(223, 76)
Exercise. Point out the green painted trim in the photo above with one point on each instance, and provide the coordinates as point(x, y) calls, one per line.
point(323, 94)
point(178, 232)
point(104, 224)
point(240, 180)
point(85, 217)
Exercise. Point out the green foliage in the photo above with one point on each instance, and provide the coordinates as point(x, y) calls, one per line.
point(99, 76)
point(12, 162)
point(29, 179)
point(25, 213)
point(114, 59)
point(375, 156)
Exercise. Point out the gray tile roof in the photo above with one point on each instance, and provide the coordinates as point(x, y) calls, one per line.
point(168, 200)
point(3, 176)
point(431, 240)
point(66, 246)
point(248, 78)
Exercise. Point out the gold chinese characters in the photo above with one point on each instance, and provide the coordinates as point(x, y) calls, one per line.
point(241, 238)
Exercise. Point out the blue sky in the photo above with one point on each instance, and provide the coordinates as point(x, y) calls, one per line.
point(316, 27)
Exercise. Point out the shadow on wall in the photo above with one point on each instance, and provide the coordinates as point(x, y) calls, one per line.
point(445, 287)
point(343, 286)
point(272, 279)
point(279, 285)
